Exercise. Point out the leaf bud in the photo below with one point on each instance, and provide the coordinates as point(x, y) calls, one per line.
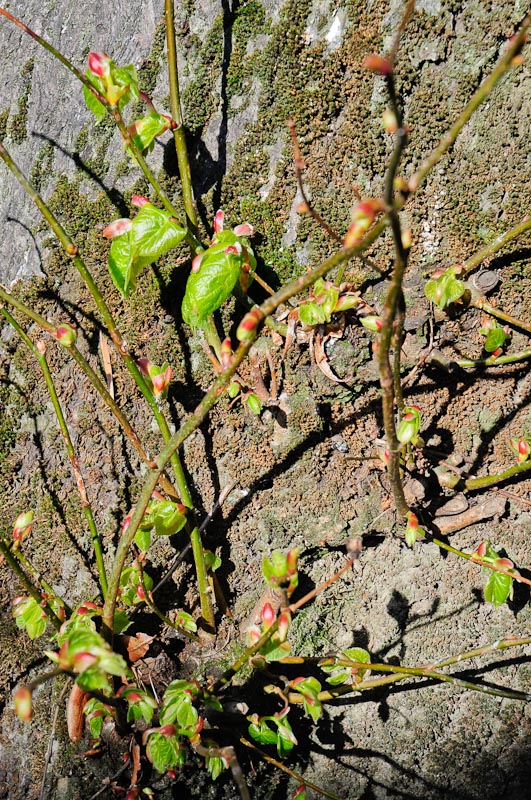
point(377, 64)
point(245, 229)
point(65, 335)
point(23, 525)
point(99, 64)
point(247, 327)
point(139, 200)
point(268, 615)
point(23, 703)
point(218, 221)
point(253, 403)
point(117, 228)
point(389, 121)
point(372, 323)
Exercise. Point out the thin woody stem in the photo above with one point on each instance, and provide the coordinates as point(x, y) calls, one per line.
point(40, 355)
point(28, 585)
point(176, 112)
point(493, 247)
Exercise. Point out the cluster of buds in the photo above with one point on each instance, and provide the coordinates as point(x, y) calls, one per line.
point(280, 571)
point(103, 67)
point(363, 215)
point(158, 377)
point(522, 447)
point(236, 248)
point(485, 552)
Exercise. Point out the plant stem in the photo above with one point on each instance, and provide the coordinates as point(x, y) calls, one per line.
point(40, 355)
point(394, 309)
point(95, 381)
point(473, 484)
point(30, 587)
point(179, 135)
point(288, 771)
point(493, 361)
point(480, 95)
point(493, 247)
point(484, 305)
point(180, 478)
point(477, 560)
point(114, 112)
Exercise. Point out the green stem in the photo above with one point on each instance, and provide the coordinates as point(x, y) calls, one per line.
point(179, 135)
point(180, 478)
point(40, 355)
point(473, 484)
point(493, 247)
point(477, 560)
point(28, 585)
point(494, 361)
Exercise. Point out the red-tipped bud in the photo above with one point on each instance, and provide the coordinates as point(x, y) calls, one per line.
point(117, 228)
point(83, 661)
point(99, 64)
point(23, 525)
point(126, 523)
point(268, 615)
point(245, 229)
point(139, 200)
point(196, 263)
point(226, 353)
point(168, 730)
point(482, 550)
point(283, 624)
point(23, 703)
point(65, 335)
point(218, 221)
point(162, 381)
point(87, 607)
point(172, 775)
point(249, 324)
point(292, 559)
point(389, 121)
point(140, 593)
point(254, 633)
point(377, 64)
point(504, 563)
point(372, 323)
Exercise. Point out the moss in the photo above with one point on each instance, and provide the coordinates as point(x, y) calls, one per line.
point(17, 125)
point(199, 98)
point(81, 139)
point(42, 169)
point(4, 117)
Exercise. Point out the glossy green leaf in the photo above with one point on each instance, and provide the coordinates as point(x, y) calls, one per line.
point(120, 264)
point(496, 337)
point(29, 616)
point(164, 752)
point(445, 289)
point(145, 130)
point(143, 540)
point(498, 589)
point(153, 233)
point(94, 105)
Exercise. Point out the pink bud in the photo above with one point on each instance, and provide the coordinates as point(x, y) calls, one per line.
point(196, 263)
point(65, 335)
point(523, 447)
point(268, 615)
point(249, 324)
point(172, 775)
point(482, 549)
point(505, 563)
point(233, 249)
point(99, 64)
point(377, 64)
point(292, 558)
point(117, 228)
point(254, 634)
point(245, 229)
point(218, 221)
point(283, 624)
point(140, 593)
point(143, 365)
point(139, 200)
point(23, 703)
point(126, 523)
point(156, 495)
point(161, 381)
point(226, 353)
point(82, 661)
point(168, 730)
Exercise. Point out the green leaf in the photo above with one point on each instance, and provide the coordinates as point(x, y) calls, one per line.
point(496, 337)
point(164, 752)
point(207, 289)
point(121, 621)
point(94, 105)
point(445, 289)
point(125, 76)
point(30, 617)
point(262, 733)
point(498, 589)
point(177, 707)
point(145, 130)
point(120, 263)
point(143, 540)
point(215, 766)
point(153, 233)
point(312, 314)
point(95, 712)
point(168, 519)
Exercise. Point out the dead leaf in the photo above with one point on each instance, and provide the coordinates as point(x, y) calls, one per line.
point(137, 646)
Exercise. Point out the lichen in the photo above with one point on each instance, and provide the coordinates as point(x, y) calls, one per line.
point(17, 125)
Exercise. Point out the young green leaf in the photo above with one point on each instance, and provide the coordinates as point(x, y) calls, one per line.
point(29, 616)
point(445, 288)
point(164, 752)
point(145, 130)
point(498, 588)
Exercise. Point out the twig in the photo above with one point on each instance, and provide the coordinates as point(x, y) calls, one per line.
point(49, 749)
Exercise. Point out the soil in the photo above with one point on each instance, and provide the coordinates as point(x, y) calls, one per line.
point(306, 472)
